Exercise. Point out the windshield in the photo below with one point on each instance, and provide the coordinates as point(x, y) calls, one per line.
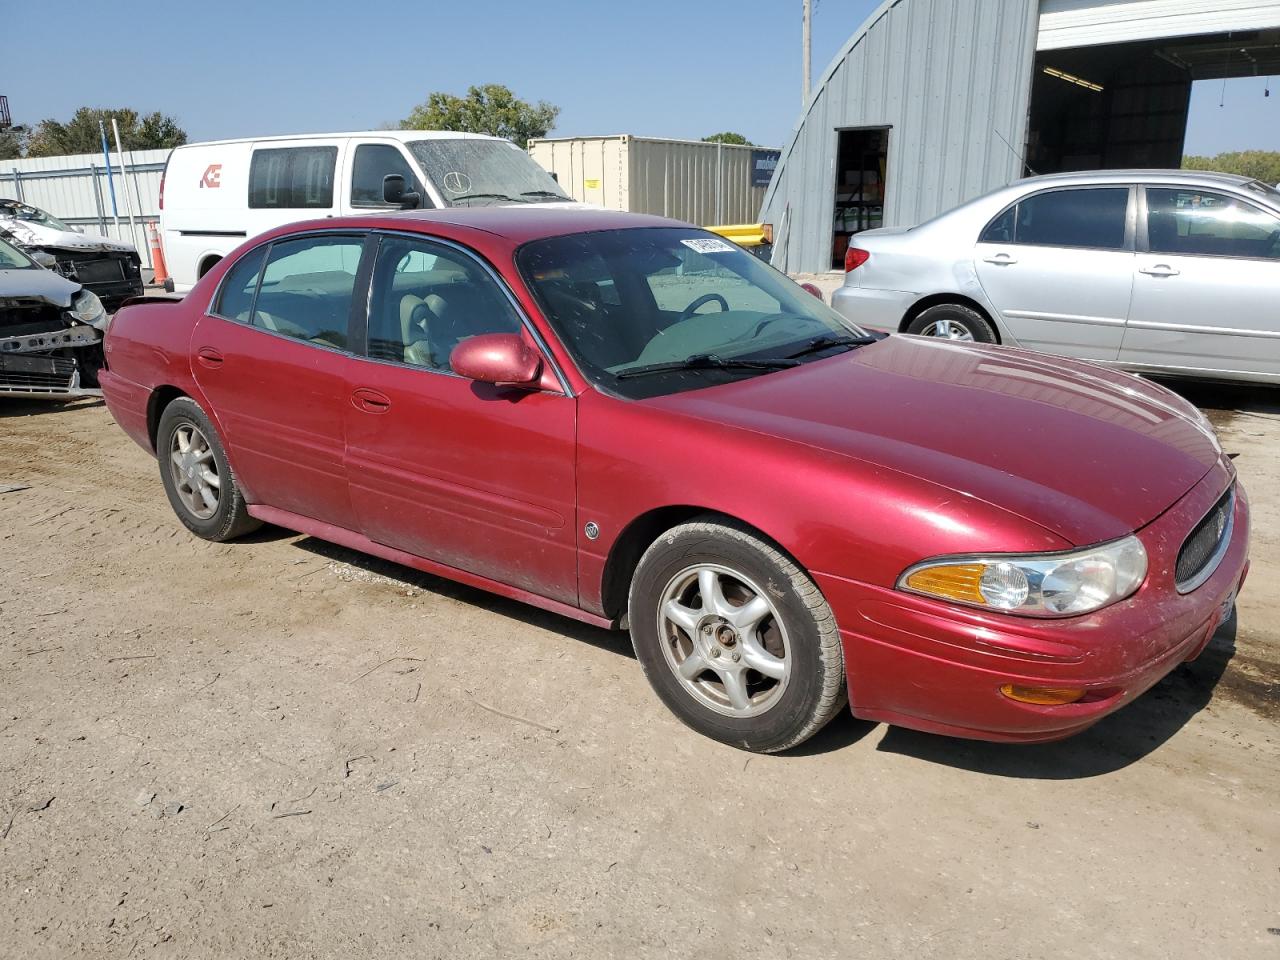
point(14, 210)
point(13, 259)
point(632, 304)
point(1264, 190)
point(484, 172)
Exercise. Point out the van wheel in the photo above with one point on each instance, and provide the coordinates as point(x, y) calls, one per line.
point(953, 321)
point(197, 477)
point(735, 638)
point(208, 264)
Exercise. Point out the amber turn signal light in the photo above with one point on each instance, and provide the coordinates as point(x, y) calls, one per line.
point(1042, 696)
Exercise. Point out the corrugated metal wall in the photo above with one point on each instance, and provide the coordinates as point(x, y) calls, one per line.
point(75, 189)
point(949, 77)
point(1078, 23)
point(703, 183)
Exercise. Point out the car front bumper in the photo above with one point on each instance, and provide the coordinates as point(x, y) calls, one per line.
point(939, 667)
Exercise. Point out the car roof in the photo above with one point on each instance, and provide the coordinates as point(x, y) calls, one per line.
point(1200, 177)
point(514, 224)
point(401, 135)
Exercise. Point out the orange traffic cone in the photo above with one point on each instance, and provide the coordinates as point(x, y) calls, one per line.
point(157, 256)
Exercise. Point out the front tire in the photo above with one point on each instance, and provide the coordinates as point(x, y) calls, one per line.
point(953, 321)
point(197, 476)
point(735, 638)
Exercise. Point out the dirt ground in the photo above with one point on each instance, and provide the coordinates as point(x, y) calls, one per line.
point(280, 748)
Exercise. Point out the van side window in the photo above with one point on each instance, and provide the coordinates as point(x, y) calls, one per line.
point(292, 177)
point(373, 161)
point(306, 289)
point(239, 285)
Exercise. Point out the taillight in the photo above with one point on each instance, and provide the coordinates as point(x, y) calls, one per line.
point(855, 257)
point(162, 176)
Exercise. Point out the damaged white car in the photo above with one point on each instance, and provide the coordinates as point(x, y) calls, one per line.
point(110, 268)
point(51, 331)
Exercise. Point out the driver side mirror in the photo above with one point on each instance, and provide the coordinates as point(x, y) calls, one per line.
point(46, 260)
point(393, 192)
point(499, 358)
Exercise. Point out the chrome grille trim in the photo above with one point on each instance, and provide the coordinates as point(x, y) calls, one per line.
point(1226, 503)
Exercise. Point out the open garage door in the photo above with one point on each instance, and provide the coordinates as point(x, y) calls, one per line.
point(1125, 104)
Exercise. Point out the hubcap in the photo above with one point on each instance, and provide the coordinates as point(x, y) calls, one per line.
point(724, 640)
point(948, 330)
point(194, 471)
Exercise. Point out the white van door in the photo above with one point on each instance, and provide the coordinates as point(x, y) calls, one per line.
point(368, 161)
point(291, 181)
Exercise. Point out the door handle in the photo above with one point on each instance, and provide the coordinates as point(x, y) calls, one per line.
point(1159, 270)
point(1000, 260)
point(370, 401)
point(209, 357)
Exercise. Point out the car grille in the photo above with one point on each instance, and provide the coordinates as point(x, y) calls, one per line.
point(36, 374)
point(1203, 549)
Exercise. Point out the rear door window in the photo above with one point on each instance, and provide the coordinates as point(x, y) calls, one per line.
point(235, 299)
point(1199, 223)
point(1093, 217)
point(306, 289)
point(372, 162)
point(295, 178)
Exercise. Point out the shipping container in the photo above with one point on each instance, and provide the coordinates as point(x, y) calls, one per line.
point(691, 180)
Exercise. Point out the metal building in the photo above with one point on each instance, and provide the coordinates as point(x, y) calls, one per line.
point(934, 102)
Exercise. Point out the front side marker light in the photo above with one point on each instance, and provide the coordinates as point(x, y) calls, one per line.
point(1043, 696)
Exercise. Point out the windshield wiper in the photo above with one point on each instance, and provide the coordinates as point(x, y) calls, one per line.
point(829, 342)
point(549, 194)
point(707, 361)
point(486, 196)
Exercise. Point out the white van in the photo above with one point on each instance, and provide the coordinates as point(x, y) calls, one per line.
point(214, 195)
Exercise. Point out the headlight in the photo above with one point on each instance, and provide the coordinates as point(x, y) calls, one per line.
point(87, 308)
point(1036, 585)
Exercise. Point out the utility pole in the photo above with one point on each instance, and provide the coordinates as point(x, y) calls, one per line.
point(804, 43)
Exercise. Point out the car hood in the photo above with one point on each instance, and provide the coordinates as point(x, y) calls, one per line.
point(1088, 453)
point(37, 284)
point(31, 234)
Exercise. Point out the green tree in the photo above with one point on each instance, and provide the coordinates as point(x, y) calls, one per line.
point(728, 137)
point(13, 142)
point(490, 108)
point(81, 134)
point(1262, 165)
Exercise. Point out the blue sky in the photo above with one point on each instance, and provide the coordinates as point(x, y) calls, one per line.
point(678, 68)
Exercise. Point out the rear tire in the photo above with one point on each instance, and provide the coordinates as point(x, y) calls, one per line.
point(953, 321)
point(735, 638)
point(197, 476)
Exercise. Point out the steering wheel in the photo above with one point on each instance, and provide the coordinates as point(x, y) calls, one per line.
point(705, 298)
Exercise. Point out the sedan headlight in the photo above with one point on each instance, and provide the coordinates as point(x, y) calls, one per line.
point(87, 308)
point(1036, 585)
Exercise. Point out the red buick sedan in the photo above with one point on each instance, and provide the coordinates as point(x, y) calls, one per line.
point(632, 422)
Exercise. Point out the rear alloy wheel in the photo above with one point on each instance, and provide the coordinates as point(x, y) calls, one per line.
point(735, 638)
point(197, 476)
point(953, 321)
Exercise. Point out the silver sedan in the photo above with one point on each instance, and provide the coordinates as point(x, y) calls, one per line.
point(1158, 271)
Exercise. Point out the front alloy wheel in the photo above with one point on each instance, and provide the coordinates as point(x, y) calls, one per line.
point(734, 637)
point(724, 640)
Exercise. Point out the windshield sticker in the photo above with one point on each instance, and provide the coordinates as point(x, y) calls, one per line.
point(456, 182)
point(708, 245)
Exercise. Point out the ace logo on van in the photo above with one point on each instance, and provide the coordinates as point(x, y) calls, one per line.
point(212, 176)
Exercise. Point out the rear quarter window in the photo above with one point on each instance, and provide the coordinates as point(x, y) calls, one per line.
point(294, 178)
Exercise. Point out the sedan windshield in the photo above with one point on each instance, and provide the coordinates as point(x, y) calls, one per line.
point(22, 211)
point(13, 259)
point(484, 172)
point(651, 311)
